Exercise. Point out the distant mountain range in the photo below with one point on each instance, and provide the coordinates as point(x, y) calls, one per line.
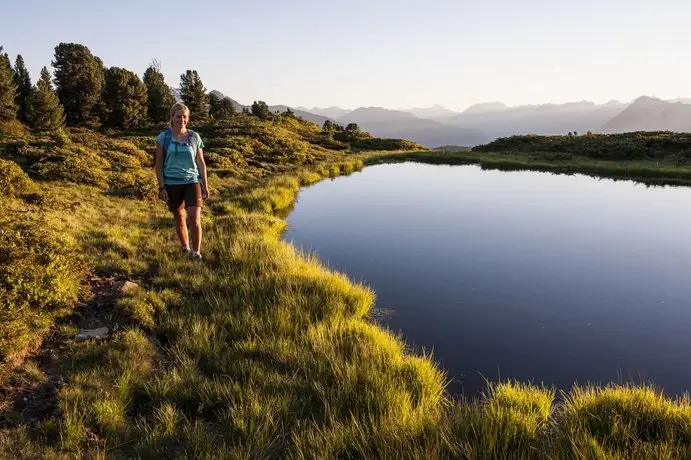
point(382, 122)
point(651, 114)
point(538, 119)
point(433, 113)
point(330, 112)
point(314, 118)
point(437, 126)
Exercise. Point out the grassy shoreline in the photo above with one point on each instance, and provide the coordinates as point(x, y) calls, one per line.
point(263, 352)
point(646, 172)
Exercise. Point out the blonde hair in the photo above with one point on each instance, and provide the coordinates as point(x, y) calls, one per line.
point(177, 106)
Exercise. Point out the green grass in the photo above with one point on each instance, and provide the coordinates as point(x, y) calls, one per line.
point(263, 352)
point(659, 146)
point(645, 171)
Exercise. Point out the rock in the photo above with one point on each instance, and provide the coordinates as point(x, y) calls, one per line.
point(129, 286)
point(86, 334)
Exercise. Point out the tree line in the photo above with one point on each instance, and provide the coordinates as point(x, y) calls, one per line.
point(84, 92)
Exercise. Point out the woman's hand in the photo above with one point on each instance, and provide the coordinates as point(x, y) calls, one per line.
point(205, 192)
point(163, 194)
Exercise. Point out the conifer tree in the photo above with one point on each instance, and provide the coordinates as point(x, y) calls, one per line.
point(8, 89)
point(352, 128)
point(160, 98)
point(44, 111)
point(227, 109)
point(23, 83)
point(220, 108)
point(261, 109)
point(194, 95)
point(79, 80)
point(214, 105)
point(124, 98)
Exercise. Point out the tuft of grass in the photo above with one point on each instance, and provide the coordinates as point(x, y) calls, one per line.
point(276, 194)
point(512, 421)
point(625, 420)
point(142, 305)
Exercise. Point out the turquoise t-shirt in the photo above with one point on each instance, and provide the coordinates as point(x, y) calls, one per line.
point(179, 165)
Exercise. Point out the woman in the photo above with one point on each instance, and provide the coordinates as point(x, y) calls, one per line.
point(182, 180)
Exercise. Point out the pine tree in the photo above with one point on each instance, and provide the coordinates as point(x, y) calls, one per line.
point(79, 79)
point(352, 128)
point(227, 108)
point(124, 98)
point(160, 97)
point(8, 89)
point(23, 82)
point(194, 95)
point(261, 109)
point(214, 105)
point(44, 111)
point(220, 108)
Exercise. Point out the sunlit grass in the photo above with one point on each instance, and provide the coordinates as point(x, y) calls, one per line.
point(646, 171)
point(265, 352)
point(629, 420)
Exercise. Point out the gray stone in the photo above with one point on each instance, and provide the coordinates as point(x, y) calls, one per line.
point(129, 286)
point(86, 334)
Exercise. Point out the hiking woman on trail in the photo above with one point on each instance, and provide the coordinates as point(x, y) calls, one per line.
point(181, 174)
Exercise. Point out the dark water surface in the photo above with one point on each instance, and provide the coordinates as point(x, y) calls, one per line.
point(538, 277)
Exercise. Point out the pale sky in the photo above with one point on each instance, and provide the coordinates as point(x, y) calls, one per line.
point(387, 53)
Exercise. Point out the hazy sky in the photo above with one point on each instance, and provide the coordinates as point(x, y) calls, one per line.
point(389, 53)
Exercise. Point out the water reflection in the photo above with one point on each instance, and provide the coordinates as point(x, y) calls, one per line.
point(546, 278)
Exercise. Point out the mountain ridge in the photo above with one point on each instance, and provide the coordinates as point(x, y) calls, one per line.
point(651, 114)
point(483, 122)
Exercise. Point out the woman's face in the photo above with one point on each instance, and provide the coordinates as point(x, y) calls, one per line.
point(180, 119)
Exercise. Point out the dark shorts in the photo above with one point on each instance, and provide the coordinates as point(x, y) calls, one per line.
point(187, 194)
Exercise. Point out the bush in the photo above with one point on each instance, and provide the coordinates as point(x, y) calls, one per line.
point(627, 146)
point(376, 143)
point(330, 143)
point(13, 180)
point(12, 128)
point(78, 165)
point(39, 280)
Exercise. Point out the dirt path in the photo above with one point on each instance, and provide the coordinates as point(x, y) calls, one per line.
point(29, 394)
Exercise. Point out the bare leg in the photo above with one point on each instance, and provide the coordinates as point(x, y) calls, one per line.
point(180, 227)
point(194, 223)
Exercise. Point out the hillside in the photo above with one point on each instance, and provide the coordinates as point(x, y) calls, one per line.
point(497, 120)
point(433, 113)
point(121, 165)
point(85, 223)
point(364, 115)
point(660, 146)
point(651, 114)
point(259, 352)
point(314, 118)
point(398, 124)
point(485, 107)
point(334, 113)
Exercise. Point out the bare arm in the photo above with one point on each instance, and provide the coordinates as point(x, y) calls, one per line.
point(159, 172)
point(201, 164)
